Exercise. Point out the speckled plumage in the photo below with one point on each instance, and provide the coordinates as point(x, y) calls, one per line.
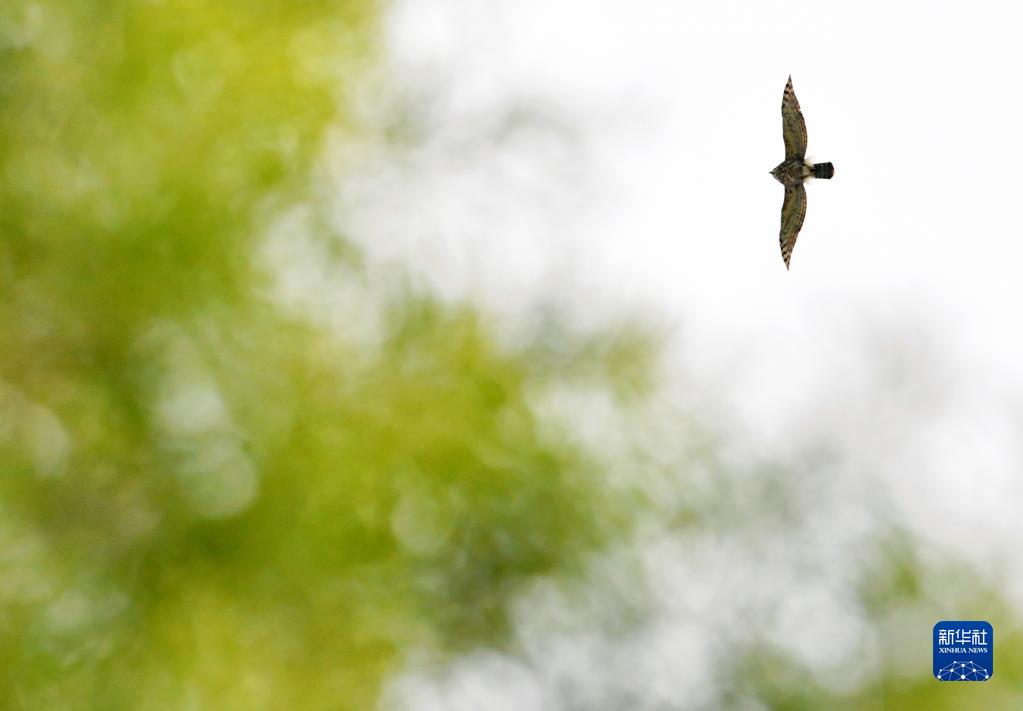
point(794, 171)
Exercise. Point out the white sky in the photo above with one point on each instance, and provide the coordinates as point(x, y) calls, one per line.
point(917, 104)
point(664, 203)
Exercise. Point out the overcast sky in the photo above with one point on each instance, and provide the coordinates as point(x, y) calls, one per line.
point(632, 164)
point(917, 105)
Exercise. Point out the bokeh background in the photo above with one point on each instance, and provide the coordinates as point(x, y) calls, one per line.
point(438, 354)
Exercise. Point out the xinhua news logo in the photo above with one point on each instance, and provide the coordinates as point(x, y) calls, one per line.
point(964, 650)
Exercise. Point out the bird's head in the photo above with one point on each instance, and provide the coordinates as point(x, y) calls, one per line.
point(777, 173)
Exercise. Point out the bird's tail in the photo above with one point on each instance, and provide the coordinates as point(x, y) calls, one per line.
point(823, 170)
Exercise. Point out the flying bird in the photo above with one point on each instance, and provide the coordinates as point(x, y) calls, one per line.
point(794, 171)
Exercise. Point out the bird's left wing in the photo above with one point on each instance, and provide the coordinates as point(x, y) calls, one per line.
point(793, 127)
point(793, 210)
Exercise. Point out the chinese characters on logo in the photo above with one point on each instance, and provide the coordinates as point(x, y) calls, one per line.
point(962, 637)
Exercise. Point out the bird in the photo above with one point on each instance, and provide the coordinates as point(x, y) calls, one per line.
point(794, 171)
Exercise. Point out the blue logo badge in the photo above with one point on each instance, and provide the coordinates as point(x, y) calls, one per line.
point(964, 650)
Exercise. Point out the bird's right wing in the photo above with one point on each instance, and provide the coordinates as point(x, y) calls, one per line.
point(793, 127)
point(793, 210)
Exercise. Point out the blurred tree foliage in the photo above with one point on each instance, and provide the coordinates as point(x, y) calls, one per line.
point(206, 500)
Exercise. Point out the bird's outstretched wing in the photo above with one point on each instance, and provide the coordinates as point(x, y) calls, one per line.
point(793, 210)
point(793, 128)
